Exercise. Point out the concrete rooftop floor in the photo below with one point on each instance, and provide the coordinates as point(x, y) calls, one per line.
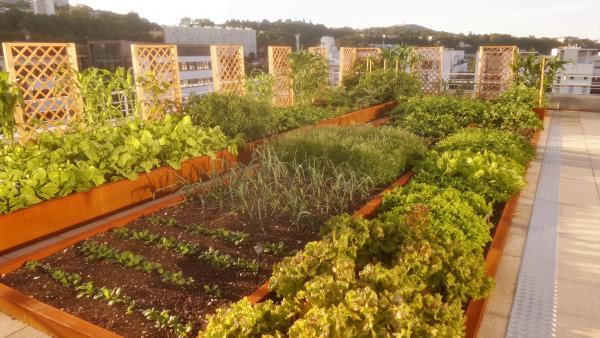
point(577, 296)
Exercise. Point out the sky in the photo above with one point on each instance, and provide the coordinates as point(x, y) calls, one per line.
point(549, 18)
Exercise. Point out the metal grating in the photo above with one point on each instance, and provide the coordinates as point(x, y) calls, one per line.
point(428, 68)
point(534, 307)
point(228, 69)
point(322, 51)
point(494, 71)
point(160, 61)
point(349, 56)
point(45, 74)
point(280, 69)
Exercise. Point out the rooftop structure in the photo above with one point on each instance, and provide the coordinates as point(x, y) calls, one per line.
point(212, 36)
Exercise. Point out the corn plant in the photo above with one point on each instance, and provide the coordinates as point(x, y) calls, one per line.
point(9, 99)
point(105, 95)
point(309, 75)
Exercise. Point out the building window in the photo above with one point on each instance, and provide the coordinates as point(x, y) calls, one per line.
point(196, 82)
point(585, 77)
point(191, 66)
point(572, 77)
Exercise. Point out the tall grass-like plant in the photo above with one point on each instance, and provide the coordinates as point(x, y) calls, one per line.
point(382, 86)
point(246, 116)
point(299, 194)
point(528, 71)
point(382, 153)
point(309, 74)
point(9, 99)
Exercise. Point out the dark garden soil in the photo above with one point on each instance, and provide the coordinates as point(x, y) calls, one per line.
point(191, 303)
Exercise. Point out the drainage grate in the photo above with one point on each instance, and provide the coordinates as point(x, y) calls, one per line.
point(534, 307)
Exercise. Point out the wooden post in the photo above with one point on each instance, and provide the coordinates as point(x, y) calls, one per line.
point(162, 62)
point(280, 69)
point(542, 79)
point(44, 74)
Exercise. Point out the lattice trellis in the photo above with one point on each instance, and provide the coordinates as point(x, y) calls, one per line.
point(159, 62)
point(494, 71)
point(428, 68)
point(322, 51)
point(228, 69)
point(45, 74)
point(349, 56)
point(280, 69)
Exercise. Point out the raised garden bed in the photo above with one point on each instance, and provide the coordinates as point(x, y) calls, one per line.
point(191, 302)
point(52, 217)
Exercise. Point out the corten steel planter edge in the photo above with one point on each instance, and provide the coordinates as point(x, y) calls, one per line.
point(52, 217)
point(368, 211)
point(47, 318)
point(476, 307)
point(50, 319)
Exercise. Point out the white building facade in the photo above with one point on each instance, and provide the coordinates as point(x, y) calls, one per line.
point(582, 72)
point(212, 36)
point(45, 7)
point(195, 71)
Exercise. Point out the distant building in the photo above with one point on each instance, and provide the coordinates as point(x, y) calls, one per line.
point(333, 55)
point(582, 72)
point(45, 7)
point(20, 5)
point(110, 54)
point(61, 3)
point(212, 36)
point(195, 70)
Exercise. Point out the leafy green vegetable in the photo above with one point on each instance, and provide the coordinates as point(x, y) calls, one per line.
point(58, 164)
point(493, 176)
point(500, 142)
point(435, 117)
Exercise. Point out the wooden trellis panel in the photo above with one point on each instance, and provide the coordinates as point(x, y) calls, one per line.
point(319, 51)
point(228, 69)
point(494, 71)
point(280, 69)
point(428, 68)
point(45, 74)
point(349, 56)
point(160, 61)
